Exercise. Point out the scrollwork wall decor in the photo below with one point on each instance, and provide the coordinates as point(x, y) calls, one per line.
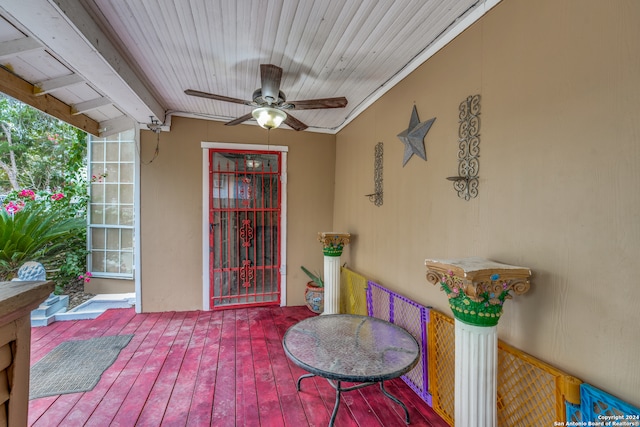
point(466, 183)
point(376, 197)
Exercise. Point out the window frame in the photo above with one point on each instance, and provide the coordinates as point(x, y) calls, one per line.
point(92, 226)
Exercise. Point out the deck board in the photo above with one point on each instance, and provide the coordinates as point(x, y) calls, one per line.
point(202, 402)
point(223, 368)
point(246, 397)
point(182, 396)
point(224, 402)
point(141, 327)
point(283, 381)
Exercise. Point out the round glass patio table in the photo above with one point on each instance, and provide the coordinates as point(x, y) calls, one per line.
point(351, 348)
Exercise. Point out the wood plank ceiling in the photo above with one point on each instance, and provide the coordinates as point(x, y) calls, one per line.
point(113, 60)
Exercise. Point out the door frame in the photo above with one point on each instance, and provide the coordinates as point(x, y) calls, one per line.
point(206, 146)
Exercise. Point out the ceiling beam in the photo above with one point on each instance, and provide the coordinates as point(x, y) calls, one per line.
point(66, 29)
point(113, 126)
point(51, 85)
point(83, 107)
point(15, 47)
point(22, 90)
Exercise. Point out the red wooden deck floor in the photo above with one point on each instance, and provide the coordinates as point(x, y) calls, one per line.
point(225, 368)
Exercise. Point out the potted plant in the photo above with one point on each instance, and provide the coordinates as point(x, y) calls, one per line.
point(314, 293)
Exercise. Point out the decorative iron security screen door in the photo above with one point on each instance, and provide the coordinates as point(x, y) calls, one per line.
point(244, 224)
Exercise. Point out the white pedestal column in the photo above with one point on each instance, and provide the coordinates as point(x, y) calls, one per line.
point(331, 285)
point(475, 375)
point(477, 289)
point(332, 245)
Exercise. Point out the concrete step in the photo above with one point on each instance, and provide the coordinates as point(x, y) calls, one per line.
point(98, 305)
point(45, 313)
point(51, 305)
point(55, 308)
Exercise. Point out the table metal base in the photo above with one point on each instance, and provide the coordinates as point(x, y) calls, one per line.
point(337, 385)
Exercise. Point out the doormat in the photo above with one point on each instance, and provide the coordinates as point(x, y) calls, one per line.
point(75, 366)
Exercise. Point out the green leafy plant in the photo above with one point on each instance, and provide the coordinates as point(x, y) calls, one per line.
point(315, 278)
point(43, 168)
point(35, 234)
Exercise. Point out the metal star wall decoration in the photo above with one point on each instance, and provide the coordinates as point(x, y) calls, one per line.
point(413, 137)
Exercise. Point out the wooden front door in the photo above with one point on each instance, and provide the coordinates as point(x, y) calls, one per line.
point(244, 228)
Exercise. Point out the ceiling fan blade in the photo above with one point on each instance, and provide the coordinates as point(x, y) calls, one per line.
point(294, 123)
point(216, 97)
point(313, 104)
point(239, 120)
point(270, 76)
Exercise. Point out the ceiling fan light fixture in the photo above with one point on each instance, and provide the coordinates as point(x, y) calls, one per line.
point(269, 118)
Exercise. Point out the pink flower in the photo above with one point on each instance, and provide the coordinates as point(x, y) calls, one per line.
point(57, 196)
point(98, 178)
point(27, 194)
point(86, 277)
point(13, 207)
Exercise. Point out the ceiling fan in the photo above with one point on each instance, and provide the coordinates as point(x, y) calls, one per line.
point(270, 104)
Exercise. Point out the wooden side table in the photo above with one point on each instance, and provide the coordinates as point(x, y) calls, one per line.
point(17, 300)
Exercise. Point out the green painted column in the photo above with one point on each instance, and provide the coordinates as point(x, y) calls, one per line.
point(332, 245)
point(477, 289)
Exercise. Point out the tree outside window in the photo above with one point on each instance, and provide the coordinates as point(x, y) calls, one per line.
point(44, 193)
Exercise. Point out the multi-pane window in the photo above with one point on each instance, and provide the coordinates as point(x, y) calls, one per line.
point(111, 212)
